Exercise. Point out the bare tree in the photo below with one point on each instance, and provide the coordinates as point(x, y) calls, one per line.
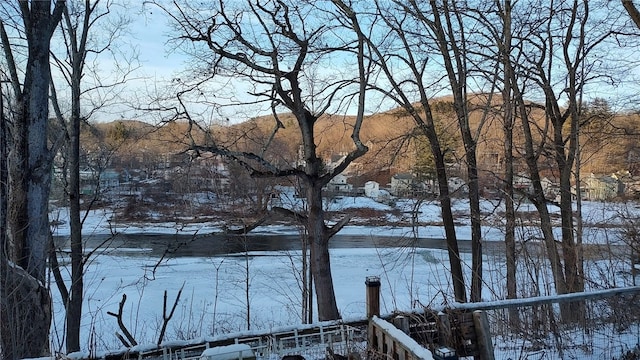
point(403, 49)
point(273, 49)
point(452, 38)
point(26, 309)
point(504, 45)
point(563, 43)
point(80, 20)
point(498, 26)
point(4, 151)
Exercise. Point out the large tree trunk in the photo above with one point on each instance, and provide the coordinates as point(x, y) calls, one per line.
point(570, 312)
point(453, 55)
point(428, 128)
point(476, 223)
point(320, 261)
point(3, 187)
point(568, 242)
point(26, 309)
point(28, 218)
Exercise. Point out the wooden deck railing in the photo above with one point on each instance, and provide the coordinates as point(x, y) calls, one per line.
point(391, 343)
point(370, 336)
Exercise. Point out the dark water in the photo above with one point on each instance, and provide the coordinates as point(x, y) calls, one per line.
point(158, 245)
point(213, 245)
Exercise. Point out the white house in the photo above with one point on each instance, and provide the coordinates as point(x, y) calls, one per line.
point(401, 184)
point(600, 188)
point(90, 181)
point(522, 182)
point(339, 184)
point(372, 189)
point(550, 189)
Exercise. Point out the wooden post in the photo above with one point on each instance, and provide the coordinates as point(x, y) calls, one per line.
point(483, 335)
point(402, 323)
point(444, 330)
point(373, 296)
point(634, 269)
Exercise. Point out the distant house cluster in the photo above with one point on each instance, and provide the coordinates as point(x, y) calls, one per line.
point(184, 173)
point(592, 187)
point(175, 173)
point(600, 188)
point(408, 185)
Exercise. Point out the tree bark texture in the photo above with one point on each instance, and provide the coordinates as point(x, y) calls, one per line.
point(317, 231)
point(25, 299)
point(26, 314)
point(320, 260)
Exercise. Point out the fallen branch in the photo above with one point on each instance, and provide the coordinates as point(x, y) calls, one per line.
point(131, 340)
point(245, 229)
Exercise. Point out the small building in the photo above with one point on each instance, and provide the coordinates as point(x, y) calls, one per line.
point(92, 181)
point(430, 187)
point(550, 189)
point(109, 179)
point(372, 189)
point(600, 188)
point(522, 183)
point(339, 184)
point(401, 184)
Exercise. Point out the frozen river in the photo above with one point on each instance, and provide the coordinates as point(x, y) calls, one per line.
point(180, 245)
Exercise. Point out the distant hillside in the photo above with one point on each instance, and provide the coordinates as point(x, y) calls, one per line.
point(605, 147)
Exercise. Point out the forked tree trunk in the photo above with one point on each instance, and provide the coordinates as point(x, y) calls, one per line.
point(538, 196)
point(452, 50)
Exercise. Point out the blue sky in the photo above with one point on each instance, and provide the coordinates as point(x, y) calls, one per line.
point(149, 33)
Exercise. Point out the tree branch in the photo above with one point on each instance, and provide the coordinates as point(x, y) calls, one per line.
point(338, 226)
point(121, 325)
point(247, 228)
point(632, 11)
point(166, 318)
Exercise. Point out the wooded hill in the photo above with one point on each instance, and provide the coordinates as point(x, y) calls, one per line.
point(609, 142)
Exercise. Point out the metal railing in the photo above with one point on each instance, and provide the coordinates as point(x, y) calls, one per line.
point(311, 341)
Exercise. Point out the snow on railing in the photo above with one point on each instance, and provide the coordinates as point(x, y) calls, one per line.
point(392, 343)
point(311, 341)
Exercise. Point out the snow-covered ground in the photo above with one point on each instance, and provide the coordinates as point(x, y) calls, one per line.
point(215, 289)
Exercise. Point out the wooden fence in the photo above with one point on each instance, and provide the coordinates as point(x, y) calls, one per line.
point(462, 329)
point(388, 342)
